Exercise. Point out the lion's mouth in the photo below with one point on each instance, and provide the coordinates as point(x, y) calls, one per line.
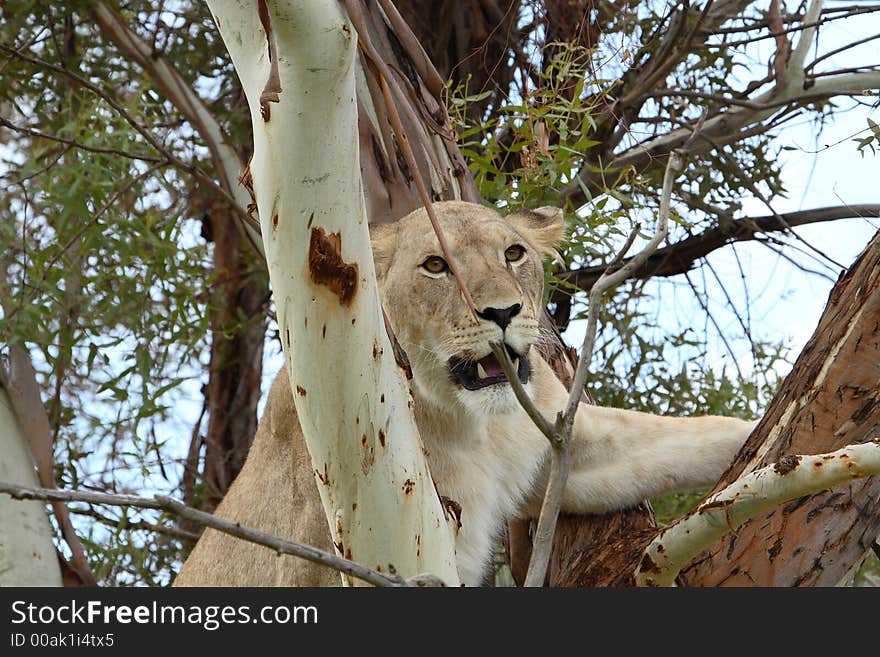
point(476, 374)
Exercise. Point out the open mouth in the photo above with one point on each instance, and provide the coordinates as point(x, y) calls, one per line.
point(475, 374)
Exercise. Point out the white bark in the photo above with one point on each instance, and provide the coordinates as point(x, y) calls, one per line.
point(352, 400)
point(760, 491)
point(27, 554)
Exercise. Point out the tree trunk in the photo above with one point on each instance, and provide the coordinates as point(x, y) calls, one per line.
point(380, 502)
point(238, 296)
point(27, 554)
point(238, 329)
point(829, 400)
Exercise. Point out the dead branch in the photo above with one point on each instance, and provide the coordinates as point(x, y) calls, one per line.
point(790, 478)
point(184, 512)
point(681, 256)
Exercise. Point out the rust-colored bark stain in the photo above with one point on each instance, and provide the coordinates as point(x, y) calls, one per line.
point(326, 266)
point(301, 391)
point(381, 437)
point(648, 565)
point(814, 540)
point(408, 486)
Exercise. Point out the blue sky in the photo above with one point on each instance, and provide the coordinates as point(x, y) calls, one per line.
point(820, 167)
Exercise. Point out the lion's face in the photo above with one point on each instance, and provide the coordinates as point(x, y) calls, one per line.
point(500, 259)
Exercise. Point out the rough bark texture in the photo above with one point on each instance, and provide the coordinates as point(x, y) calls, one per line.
point(470, 43)
point(594, 550)
point(831, 399)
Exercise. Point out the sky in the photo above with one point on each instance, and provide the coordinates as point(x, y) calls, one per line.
point(821, 167)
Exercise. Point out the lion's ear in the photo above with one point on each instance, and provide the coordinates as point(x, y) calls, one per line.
point(384, 239)
point(544, 228)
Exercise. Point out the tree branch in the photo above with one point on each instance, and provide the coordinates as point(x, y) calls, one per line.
point(560, 433)
point(187, 102)
point(19, 381)
point(722, 128)
point(792, 477)
point(680, 257)
point(39, 134)
point(181, 510)
point(151, 139)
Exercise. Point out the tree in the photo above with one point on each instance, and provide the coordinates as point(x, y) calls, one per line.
point(27, 555)
point(166, 97)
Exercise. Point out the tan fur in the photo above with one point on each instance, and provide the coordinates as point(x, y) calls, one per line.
point(483, 450)
point(274, 492)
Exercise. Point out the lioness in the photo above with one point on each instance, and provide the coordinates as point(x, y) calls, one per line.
point(483, 451)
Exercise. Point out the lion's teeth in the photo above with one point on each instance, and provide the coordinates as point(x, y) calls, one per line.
point(481, 372)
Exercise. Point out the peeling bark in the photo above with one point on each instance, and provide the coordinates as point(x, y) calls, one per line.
point(830, 399)
point(414, 86)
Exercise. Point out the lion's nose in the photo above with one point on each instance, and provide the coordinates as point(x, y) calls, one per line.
point(500, 316)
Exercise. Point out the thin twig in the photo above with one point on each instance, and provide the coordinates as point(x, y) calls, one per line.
point(677, 258)
point(522, 396)
point(126, 524)
point(151, 139)
point(561, 449)
point(33, 132)
point(560, 433)
point(181, 510)
point(95, 217)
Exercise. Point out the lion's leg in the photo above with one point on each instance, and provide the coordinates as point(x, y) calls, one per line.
point(621, 457)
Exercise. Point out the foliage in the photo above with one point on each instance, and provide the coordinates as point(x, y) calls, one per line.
point(107, 273)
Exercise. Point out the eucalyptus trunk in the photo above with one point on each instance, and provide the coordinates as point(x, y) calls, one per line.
point(381, 505)
point(27, 554)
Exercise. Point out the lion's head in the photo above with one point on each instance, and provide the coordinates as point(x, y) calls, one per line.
point(500, 259)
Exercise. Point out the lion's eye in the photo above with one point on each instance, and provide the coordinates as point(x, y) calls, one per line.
point(435, 265)
point(514, 253)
